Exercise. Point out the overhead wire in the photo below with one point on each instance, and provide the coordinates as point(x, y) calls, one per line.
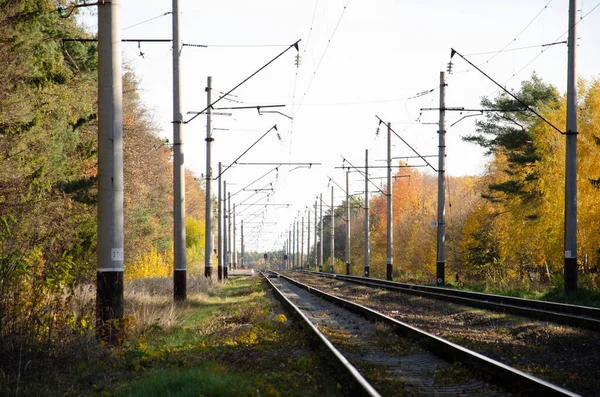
point(521, 32)
point(362, 173)
point(544, 49)
point(555, 40)
point(344, 190)
point(295, 45)
point(146, 61)
point(515, 49)
point(418, 95)
point(323, 55)
point(197, 45)
point(308, 36)
point(148, 20)
point(504, 49)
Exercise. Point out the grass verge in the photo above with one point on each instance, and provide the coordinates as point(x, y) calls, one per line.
point(232, 340)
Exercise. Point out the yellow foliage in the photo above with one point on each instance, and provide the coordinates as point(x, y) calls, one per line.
point(150, 264)
point(281, 318)
point(194, 233)
point(512, 238)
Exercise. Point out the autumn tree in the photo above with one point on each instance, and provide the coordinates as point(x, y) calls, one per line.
point(47, 178)
point(525, 189)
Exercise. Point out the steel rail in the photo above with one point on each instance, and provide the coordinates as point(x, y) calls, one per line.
point(578, 316)
point(505, 376)
point(361, 386)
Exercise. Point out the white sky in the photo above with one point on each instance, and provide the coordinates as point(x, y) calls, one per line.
point(382, 53)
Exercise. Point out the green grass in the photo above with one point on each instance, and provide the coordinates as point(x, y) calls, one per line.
point(192, 382)
point(588, 293)
point(232, 340)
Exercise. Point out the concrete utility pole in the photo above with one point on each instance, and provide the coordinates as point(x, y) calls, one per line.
point(109, 292)
point(367, 234)
point(348, 222)
point(235, 264)
point(294, 245)
point(297, 262)
point(570, 267)
point(332, 259)
point(180, 265)
point(219, 231)
point(321, 233)
point(225, 257)
point(290, 249)
point(208, 250)
point(315, 255)
point(230, 241)
point(441, 215)
point(302, 245)
point(308, 244)
point(390, 190)
point(242, 242)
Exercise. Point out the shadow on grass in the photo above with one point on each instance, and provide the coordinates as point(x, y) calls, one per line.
point(208, 380)
point(236, 343)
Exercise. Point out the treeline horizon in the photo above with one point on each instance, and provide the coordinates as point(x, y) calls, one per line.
point(504, 226)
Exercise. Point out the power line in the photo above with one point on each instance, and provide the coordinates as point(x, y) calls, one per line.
point(507, 91)
point(496, 53)
point(418, 95)
point(146, 61)
point(295, 45)
point(406, 143)
point(247, 150)
point(556, 40)
point(324, 53)
point(256, 180)
point(364, 174)
point(308, 36)
point(232, 45)
point(147, 20)
point(516, 49)
point(344, 190)
point(521, 32)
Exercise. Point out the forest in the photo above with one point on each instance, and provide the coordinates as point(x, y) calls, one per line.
point(504, 227)
point(48, 179)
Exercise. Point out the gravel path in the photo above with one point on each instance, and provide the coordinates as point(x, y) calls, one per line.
point(394, 365)
point(565, 356)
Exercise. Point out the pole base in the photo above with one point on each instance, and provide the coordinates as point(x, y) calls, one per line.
point(320, 269)
point(570, 274)
point(367, 271)
point(347, 268)
point(208, 272)
point(180, 285)
point(388, 272)
point(440, 273)
point(109, 307)
point(220, 273)
point(225, 276)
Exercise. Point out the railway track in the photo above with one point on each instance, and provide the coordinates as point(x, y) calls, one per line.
point(563, 355)
point(573, 315)
point(385, 356)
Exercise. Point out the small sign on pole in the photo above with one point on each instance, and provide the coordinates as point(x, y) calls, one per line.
point(433, 224)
